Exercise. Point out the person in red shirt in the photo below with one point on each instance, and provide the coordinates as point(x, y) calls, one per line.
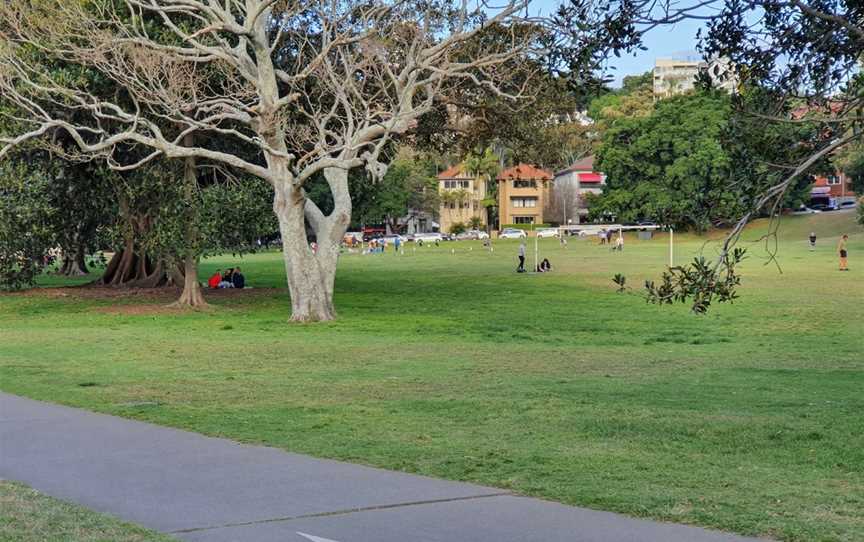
point(214, 281)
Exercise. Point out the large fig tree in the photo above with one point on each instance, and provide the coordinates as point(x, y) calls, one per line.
point(299, 88)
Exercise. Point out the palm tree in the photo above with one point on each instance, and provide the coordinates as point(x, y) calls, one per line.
point(485, 166)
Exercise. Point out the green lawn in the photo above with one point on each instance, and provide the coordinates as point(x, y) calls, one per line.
point(748, 419)
point(28, 516)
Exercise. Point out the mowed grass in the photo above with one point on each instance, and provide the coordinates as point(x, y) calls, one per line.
point(749, 419)
point(29, 516)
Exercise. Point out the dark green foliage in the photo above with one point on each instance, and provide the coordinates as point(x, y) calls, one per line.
point(409, 185)
point(26, 233)
point(669, 166)
point(458, 227)
point(692, 163)
point(228, 214)
point(699, 283)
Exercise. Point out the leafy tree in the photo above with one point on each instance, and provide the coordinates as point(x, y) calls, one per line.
point(26, 212)
point(851, 161)
point(458, 227)
point(485, 164)
point(634, 99)
point(280, 91)
point(691, 163)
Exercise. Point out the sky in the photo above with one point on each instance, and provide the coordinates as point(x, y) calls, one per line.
point(678, 41)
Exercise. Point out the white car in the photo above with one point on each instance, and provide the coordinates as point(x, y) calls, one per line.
point(512, 233)
point(391, 239)
point(430, 237)
point(547, 232)
point(804, 210)
point(478, 234)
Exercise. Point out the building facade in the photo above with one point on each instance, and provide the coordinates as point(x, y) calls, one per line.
point(832, 189)
point(523, 191)
point(673, 76)
point(571, 186)
point(462, 197)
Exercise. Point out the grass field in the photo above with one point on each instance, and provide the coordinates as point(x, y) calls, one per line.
point(28, 516)
point(749, 419)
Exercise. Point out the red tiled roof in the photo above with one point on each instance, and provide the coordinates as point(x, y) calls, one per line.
point(524, 171)
point(454, 172)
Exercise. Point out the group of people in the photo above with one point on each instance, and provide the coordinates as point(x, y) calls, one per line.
point(842, 251)
point(231, 278)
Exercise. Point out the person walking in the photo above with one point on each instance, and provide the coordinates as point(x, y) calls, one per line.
point(521, 268)
point(812, 241)
point(841, 250)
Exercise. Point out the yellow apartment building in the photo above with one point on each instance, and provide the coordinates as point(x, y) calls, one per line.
point(461, 197)
point(523, 191)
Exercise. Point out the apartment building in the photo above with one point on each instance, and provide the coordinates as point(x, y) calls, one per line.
point(571, 185)
point(523, 192)
point(677, 76)
point(462, 197)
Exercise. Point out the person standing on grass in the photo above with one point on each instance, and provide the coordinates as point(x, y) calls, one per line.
point(397, 243)
point(619, 243)
point(841, 249)
point(812, 241)
point(521, 268)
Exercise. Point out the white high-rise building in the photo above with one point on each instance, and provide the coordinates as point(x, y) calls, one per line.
point(675, 76)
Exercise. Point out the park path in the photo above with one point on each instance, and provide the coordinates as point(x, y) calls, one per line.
point(205, 489)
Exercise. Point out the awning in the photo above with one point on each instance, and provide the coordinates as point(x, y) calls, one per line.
point(820, 190)
point(590, 178)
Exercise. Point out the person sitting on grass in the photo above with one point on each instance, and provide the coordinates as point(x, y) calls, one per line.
point(226, 279)
point(238, 279)
point(214, 281)
point(545, 266)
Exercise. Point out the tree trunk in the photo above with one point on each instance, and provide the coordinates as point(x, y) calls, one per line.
point(307, 284)
point(131, 267)
point(311, 277)
point(192, 295)
point(74, 264)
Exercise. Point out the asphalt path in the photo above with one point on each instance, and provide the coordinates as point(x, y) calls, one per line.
point(204, 489)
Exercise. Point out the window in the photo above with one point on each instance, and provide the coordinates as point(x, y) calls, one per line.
point(523, 202)
point(522, 183)
point(523, 219)
point(452, 185)
point(833, 179)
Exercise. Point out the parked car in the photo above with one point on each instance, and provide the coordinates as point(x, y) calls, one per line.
point(472, 235)
point(646, 224)
point(823, 207)
point(512, 233)
point(547, 232)
point(430, 237)
point(847, 204)
point(804, 210)
point(390, 239)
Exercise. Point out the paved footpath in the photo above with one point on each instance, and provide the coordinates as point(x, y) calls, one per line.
point(205, 489)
